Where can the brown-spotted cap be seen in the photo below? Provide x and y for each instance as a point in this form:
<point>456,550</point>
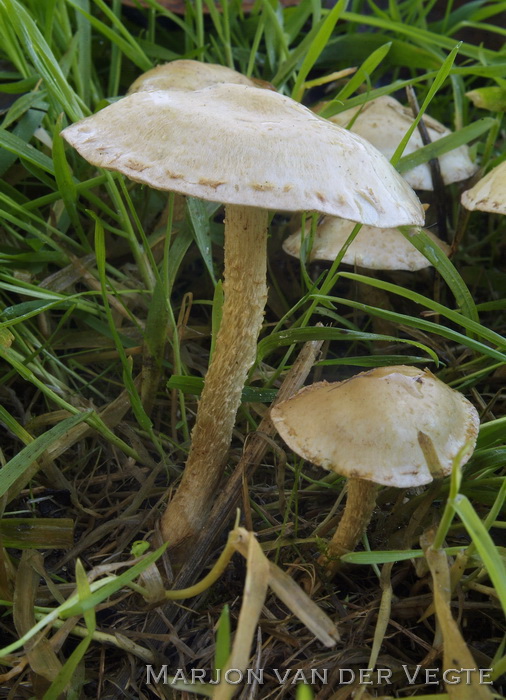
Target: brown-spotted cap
<point>373,248</point>
<point>384,121</point>
<point>489,193</point>
<point>248,146</point>
<point>185,74</point>
<point>398,426</point>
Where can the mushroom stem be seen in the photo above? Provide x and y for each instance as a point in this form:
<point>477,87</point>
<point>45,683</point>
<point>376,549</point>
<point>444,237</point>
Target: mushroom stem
<point>360,502</point>
<point>245,291</point>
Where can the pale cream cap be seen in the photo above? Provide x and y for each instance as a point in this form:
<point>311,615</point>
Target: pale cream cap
<point>384,122</point>
<point>372,426</point>
<point>373,248</point>
<point>489,193</point>
<point>248,146</point>
<point>185,74</point>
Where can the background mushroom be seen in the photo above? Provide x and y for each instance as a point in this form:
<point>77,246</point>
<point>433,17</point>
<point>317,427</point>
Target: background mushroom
<point>254,150</point>
<point>373,248</point>
<point>384,122</point>
<point>186,74</point>
<point>489,193</point>
<point>397,426</point>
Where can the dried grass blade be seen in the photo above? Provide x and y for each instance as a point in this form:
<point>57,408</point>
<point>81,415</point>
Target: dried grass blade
<point>255,591</point>
<point>302,606</point>
<point>41,657</point>
<point>456,655</point>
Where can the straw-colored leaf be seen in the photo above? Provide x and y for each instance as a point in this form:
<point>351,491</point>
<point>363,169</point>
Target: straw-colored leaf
<point>383,614</point>
<point>456,655</point>
<point>295,598</point>
<point>255,591</point>
<point>41,656</point>
<point>302,606</point>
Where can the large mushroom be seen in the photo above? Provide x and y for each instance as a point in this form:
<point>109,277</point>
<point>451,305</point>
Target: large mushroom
<point>396,426</point>
<point>489,193</point>
<point>253,150</point>
<point>384,121</point>
<point>373,248</point>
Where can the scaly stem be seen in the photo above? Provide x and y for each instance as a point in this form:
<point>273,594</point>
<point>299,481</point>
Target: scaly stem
<point>360,502</point>
<point>245,291</point>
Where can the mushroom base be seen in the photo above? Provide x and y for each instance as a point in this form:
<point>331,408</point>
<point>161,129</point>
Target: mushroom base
<point>245,292</point>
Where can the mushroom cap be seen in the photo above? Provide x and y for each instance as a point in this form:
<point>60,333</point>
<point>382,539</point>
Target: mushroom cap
<point>374,248</point>
<point>185,74</point>
<point>372,425</point>
<point>384,121</point>
<point>489,193</point>
<point>248,146</point>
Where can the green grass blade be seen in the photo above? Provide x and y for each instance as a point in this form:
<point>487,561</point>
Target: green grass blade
<point>16,145</point>
<point>125,43</point>
<point>385,557</point>
<point>440,78</point>
<point>83,74</point>
<point>100,590</point>
<point>302,335</point>
<point>22,461</point>
<point>65,181</point>
<point>484,545</point>
<point>194,385</point>
<point>290,64</point>
<point>492,432</point>
<point>447,143</point>
<point>446,269</point>
<point>223,643</point>
<point>37,533</point>
<point>24,131</point>
<point>106,588</point>
<point>470,325</point>
<point>364,72</point>
<point>137,407</point>
<point>415,322</point>
<point>66,673</point>
<point>199,218</point>
<point>316,47</point>
<point>44,60</point>
<point>422,36</point>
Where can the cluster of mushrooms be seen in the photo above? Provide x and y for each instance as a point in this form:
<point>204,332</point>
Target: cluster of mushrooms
<point>210,132</point>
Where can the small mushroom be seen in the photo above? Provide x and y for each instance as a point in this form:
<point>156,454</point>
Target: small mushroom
<point>373,248</point>
<point>384,122</point>
<point>253,150</point>
<point>397,426</point>
<point>489,193</point>
<point>185,74</point>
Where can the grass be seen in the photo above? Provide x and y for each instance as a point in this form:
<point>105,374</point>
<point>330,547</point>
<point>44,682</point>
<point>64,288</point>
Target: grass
<point>102,280</point>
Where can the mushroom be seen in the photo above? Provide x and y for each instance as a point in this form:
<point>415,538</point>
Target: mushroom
<point>384,122</point>
<point>373,248</point>
<point>253,150</point>
<point>185,74</point>
<point>397,426</point>
<point>489,193</point>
